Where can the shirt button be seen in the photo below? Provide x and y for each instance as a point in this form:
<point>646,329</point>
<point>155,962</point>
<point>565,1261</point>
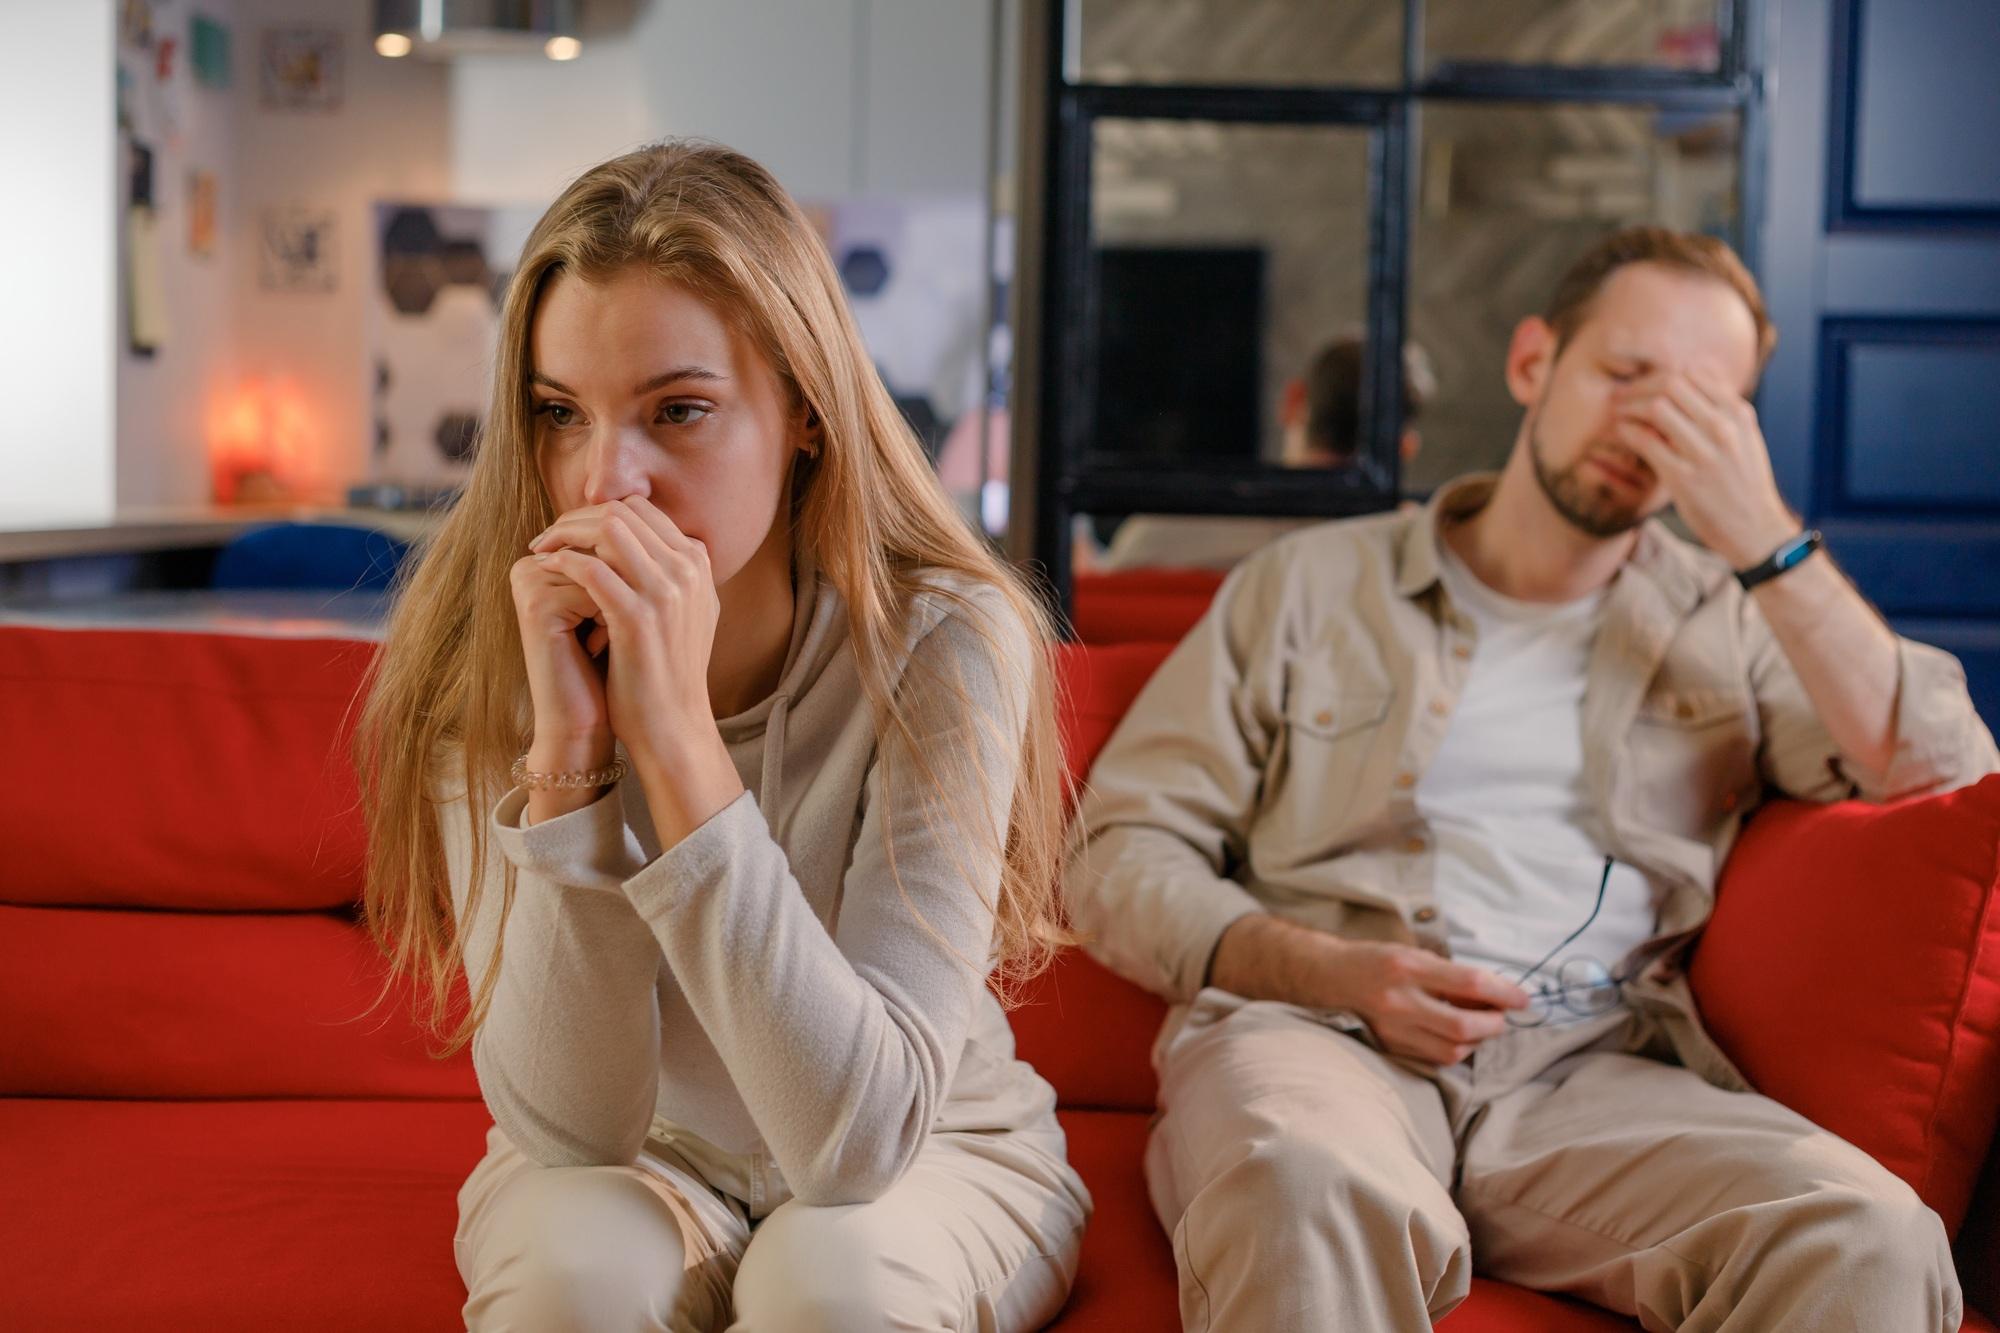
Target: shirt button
<point>1426,915</point>
<point>1414,845</point>
<point>1406,780</point>
<point>1439,708</point>
<point>1323,717</point>
<point>1683,710</point>
<point>1461,651</point>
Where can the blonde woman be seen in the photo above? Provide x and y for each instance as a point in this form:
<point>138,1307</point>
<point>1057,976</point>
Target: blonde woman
<point>719,755</point>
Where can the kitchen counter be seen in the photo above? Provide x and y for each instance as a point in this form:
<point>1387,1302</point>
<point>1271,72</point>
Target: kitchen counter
<point>194,526</point>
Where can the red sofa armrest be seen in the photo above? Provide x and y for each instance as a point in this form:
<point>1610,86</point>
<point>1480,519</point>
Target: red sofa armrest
<point>1852,971</point>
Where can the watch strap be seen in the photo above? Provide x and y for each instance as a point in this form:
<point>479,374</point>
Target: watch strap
<point>1785,557</point>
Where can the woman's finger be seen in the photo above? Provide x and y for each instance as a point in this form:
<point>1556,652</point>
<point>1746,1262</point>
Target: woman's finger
<point>612,536</point>
<point>537,586</point>
<point>615,598</point>
<point>668,531</point>
<point>632,515</point>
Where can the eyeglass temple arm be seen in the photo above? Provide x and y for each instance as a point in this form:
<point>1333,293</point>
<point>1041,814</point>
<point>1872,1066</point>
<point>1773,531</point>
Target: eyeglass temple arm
<point>1603,881</point>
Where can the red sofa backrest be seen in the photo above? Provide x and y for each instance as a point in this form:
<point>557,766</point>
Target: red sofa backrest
<point>1140,605</point>
<point>119,1002</point>
<point>1090,1033</point>
<point>207,774</point>
<point>210,775</point>
<point>195,771</point>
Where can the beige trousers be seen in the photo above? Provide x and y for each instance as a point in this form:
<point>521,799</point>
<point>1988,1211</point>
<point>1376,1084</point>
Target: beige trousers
<point>1310,1182</point>
<point>981,1234</point>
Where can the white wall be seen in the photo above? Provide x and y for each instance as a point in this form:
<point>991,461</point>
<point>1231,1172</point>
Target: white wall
<point>927,71</point>
<point>165,400</point>
<point>838,97</point>
<point>57,158</point>
<point>390,139</point>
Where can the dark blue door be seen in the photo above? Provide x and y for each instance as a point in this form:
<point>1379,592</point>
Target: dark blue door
<point>1881,257</point>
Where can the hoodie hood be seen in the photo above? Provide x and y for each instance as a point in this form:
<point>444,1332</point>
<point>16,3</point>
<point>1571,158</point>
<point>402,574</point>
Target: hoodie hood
<point>819,632</point>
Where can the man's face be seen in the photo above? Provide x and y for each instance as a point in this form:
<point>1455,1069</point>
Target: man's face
<point>1645,318</point>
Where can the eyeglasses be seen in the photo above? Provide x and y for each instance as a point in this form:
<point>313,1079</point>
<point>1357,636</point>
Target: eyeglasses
<point>1582,986</point>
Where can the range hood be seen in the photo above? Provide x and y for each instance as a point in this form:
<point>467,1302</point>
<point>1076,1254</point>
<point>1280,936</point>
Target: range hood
<point>442,29</point>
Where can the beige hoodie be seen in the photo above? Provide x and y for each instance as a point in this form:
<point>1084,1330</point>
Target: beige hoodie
<point>761,996</point>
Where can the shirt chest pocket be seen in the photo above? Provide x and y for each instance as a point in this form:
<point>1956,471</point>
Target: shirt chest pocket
<point>1332,741</point>
<point>1691,760</point>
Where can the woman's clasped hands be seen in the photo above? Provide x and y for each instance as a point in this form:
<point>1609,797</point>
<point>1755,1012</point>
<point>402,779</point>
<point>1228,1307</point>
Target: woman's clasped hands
<point>643,595</point>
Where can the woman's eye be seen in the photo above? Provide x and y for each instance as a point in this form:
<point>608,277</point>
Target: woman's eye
<point>682,414</point>
<point>1623,376</point>
<point>557,413</point>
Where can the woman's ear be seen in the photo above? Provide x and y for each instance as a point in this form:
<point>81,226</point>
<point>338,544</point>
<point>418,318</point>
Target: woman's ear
<point>812,436</point>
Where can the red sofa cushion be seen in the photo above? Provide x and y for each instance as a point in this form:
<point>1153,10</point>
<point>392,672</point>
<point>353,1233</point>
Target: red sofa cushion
<point>180,1004</point>
<point>1095,684</point>
<point>1090,1034</point>
<point>231,1216</point>
<point>1140,605</point>
<point>180,770</point>
<point>1852,971</point>
<point>307,1216</point>
<point>1126,1277</point>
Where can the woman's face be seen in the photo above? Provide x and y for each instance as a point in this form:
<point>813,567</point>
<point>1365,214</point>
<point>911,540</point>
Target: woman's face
<point>640,388</point>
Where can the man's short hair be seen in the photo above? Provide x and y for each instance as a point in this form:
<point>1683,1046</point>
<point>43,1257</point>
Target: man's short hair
<point>1687,252</point>
<point>1333,393</point>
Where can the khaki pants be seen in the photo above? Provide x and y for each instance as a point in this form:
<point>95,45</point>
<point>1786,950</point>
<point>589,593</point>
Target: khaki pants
<point>981,1234</point>
<point>1309,1182</point>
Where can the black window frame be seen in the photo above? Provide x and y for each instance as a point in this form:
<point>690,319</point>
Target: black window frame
<point>1068,480</point>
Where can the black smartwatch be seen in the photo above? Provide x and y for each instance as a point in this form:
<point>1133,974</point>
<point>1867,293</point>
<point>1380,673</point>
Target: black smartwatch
<point>1785,557</point>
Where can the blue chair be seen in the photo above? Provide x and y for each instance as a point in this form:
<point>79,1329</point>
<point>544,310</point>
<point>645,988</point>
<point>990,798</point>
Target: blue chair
<point>333,556</point>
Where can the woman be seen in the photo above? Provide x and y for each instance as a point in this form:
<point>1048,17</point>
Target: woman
<point>720,755</point>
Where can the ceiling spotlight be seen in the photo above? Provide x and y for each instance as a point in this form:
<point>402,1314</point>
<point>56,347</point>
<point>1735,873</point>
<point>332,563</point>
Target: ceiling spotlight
<point>450,29</point>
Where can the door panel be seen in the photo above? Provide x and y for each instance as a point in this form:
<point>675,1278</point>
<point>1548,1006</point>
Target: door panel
<point>1883,239</point>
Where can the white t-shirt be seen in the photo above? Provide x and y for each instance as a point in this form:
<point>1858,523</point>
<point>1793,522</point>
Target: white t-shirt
<point>1504,794</point>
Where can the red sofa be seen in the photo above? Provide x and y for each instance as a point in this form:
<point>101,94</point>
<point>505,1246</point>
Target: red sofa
<point>202,1126</point>
<point>1140,605</point>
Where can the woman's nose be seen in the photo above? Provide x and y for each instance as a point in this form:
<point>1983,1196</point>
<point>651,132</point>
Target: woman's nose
<point>616,467</point>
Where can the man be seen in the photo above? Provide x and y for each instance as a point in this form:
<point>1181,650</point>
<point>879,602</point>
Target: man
<point>1416,828</point>
<point>1321,416</point>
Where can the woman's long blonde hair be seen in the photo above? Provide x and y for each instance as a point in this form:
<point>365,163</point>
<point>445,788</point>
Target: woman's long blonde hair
<point>445,706</point>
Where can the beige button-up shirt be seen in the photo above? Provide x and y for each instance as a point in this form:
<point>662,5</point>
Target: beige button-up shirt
<point>1272,763</point>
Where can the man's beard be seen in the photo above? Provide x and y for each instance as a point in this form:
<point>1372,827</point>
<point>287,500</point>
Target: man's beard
<point>1581,503</point>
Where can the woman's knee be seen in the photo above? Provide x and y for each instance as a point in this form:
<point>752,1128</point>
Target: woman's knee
<point>573,1248</point>
<point>836,1270</point>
